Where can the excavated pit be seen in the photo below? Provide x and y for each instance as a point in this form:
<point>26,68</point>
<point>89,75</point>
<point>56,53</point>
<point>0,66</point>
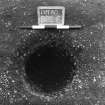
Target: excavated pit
<point>49,68</point>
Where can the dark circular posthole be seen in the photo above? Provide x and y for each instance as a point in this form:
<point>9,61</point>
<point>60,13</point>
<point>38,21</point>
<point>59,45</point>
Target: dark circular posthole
<point>49,68</point>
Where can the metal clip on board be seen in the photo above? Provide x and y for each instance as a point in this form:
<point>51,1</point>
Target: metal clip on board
<point>51,17</point>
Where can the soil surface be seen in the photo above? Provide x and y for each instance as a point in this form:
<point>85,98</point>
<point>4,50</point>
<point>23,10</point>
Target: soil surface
<point>86,45</point>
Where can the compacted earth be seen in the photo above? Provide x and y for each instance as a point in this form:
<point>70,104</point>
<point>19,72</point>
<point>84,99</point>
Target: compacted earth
<point>52,67</point>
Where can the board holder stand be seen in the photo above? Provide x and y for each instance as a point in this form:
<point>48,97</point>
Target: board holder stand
<point>39,27</point>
